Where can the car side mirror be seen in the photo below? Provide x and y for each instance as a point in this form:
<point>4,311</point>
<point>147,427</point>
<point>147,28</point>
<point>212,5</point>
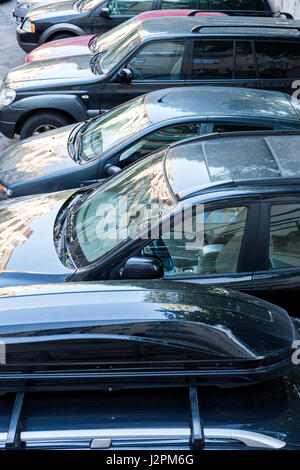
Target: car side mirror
<point>142,268</point>
<point>105,13</point>
<point>124,76</point>
<point>111,170</point>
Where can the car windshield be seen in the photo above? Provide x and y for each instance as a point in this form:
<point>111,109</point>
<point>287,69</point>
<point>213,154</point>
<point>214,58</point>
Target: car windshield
<point>119,51</point>
<point>112,128</point>
<point>86,5</point>
<point>103,42</point>
<point>118,210</point>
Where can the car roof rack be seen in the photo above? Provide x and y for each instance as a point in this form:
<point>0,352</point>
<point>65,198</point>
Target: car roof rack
<point>242,13</point>
<point>195,436</point>
<point>197,29</point>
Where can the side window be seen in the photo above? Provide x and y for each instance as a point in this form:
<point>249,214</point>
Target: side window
<point>212,59</point>
<point>220,127</point>
<point>207,243</point>
<point>158,61</point>
<point>156,140</point>
<point>185,4</point>
<point>129,7</point>
<point>244,60</point>
<point>284,243</point>
<point>278,59</point>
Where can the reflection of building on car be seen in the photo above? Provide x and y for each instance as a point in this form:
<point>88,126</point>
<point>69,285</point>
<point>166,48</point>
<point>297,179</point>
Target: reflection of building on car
<point>243,193</point>
<point>88,152</point>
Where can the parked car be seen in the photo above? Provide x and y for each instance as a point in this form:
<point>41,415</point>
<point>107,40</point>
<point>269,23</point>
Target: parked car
<point>156,55</point>
<point>90,348</point>
<point>93,44</point>
<point>243,231</point>
<point>136,334</point>
<point>69,18</point>
<point>88,152</point>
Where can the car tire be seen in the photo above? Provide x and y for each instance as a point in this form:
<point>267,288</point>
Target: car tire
<point>42,122</point>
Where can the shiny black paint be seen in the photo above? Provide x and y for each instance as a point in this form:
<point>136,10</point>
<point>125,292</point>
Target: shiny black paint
<point>103,91</point>
<point>131,332</point>
<point>91,22</point>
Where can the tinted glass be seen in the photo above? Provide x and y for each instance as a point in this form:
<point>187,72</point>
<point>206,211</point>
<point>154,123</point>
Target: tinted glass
<point>284,246</point>
<point>129,7</point>
<point>120,208</point>
<point>244,62</point>
<point>103,133</point>
<point>258,5</point>
<point>158,61</point>
<point>208,242</point>
<point>220,127</point>
<point>278,59</point>
<point>212,59</point>
<point>156,140</point>
<point>185,4</point>
<point>118,51</point>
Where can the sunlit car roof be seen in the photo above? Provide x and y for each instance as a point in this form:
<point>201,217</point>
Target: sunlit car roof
<point>209,25</point>
<point>208,161</point>
<point>219,101</point>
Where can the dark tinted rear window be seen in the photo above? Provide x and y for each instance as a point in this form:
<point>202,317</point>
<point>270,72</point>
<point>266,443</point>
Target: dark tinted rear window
<point>278,59</point>
<point>257,5</point>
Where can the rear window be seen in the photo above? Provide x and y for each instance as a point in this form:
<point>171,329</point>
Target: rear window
<point>278,59</point>
<point>257,5</point>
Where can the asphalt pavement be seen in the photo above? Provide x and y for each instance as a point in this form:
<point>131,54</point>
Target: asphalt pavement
<point>10,53</point>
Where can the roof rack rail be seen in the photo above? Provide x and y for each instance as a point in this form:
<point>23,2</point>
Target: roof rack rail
<point>196,29</point>
<point>243,13</point>
<point>195,436</point>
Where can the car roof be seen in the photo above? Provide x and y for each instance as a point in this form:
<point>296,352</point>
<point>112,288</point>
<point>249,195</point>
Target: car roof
<point>210,161</point>
<point>234,25</point>
<point>219,101</point>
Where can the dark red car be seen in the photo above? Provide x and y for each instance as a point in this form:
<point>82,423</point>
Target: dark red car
<point>93,44</point>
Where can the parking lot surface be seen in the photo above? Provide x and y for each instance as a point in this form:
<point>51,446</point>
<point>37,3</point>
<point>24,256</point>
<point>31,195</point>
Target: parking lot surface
<point>10,53</point>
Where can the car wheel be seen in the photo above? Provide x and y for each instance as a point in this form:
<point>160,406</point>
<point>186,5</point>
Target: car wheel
<point>43,122</point>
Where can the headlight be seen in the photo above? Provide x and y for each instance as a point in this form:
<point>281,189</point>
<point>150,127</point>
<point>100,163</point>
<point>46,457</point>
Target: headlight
<point>7,95</point>
<point>24,6</point>
<point>27,26</point>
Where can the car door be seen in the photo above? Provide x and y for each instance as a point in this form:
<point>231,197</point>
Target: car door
<point>239,124</point>
<point>213,246</point>
<point>215,61</point>
<point>120,11</point>
<point>277,263</point>
<point>278,64</point>
<point>156,65</point>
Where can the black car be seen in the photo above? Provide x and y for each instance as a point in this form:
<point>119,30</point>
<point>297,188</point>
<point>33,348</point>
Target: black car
<point>222,209</point>
<point>257,53</point>
<point>146,366</point>
<point>56,20</point>
<point>85,153</point>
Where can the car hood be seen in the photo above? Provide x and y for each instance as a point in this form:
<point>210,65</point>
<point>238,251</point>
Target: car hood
<point>134,327</point>
<point>61,48</point>
<point>53,10</point>
<point>52,70</point>
<point>36,157</point>
<point>27,251</point>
